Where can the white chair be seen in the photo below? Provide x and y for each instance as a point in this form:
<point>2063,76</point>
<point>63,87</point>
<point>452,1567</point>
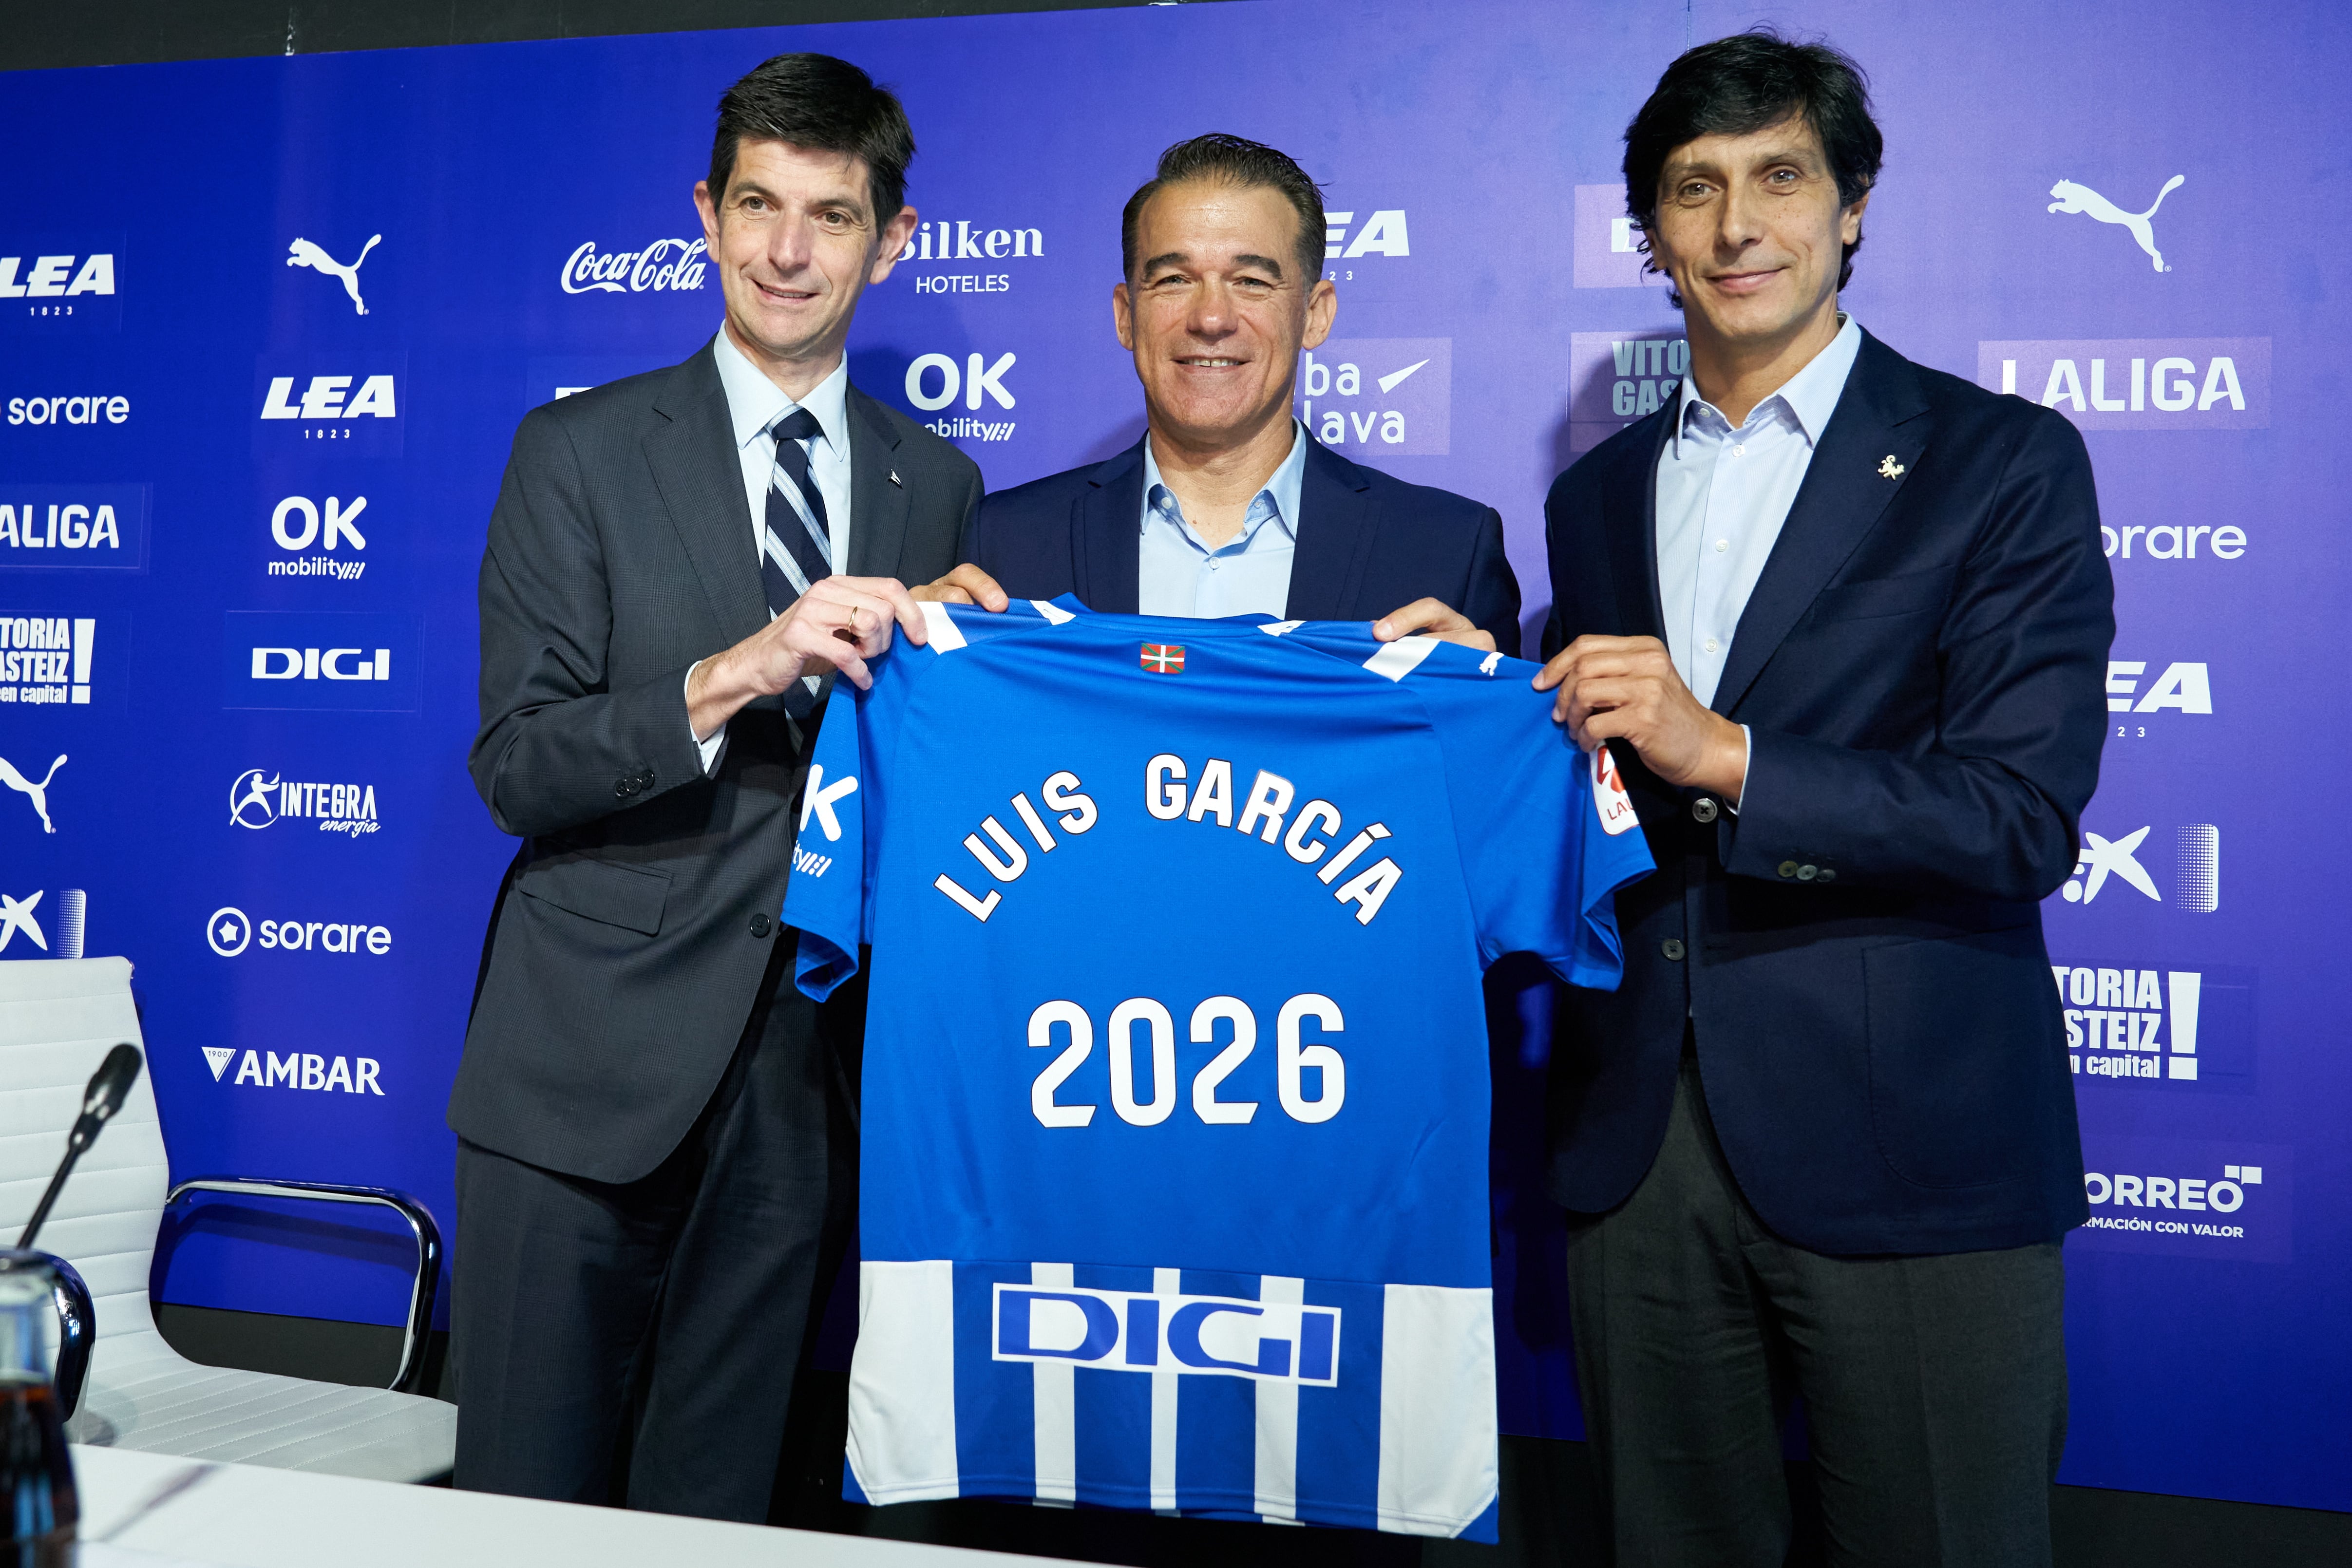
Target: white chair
<point>57,1019</point>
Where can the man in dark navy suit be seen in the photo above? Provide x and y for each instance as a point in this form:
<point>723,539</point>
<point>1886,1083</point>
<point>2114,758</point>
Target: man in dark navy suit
<point>1228,506</point>
<point>1843,621</point>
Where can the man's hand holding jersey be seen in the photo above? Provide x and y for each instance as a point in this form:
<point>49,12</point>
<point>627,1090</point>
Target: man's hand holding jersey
<point>1626,688</point>
<point>838,625</point>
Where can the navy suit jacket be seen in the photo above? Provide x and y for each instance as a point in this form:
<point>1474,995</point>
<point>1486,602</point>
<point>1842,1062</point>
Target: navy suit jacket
<point>1367,544</point>
<point>1858,952</point>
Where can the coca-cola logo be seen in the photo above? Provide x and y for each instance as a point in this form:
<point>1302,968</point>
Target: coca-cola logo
<point>672,264</point>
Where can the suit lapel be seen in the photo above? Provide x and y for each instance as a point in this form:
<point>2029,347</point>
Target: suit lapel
<point>700,476</point>
<point>877,492</point>
<point>1880,425</point>
<point>1629,511</point>
<point>1334,533</point>
<point>1107,553</point>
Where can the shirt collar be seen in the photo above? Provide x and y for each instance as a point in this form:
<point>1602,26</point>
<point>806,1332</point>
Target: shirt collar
<point>1282,487</point>
<point>1809,396</point>
<point>754,402</point>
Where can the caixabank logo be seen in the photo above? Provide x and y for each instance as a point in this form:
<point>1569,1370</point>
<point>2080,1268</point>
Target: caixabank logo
<point>2229,1201</point>
<point>336,662</point>
<point>74,527</point>
<point>2138,384</point>
<point>1616,378</point>
<point>44,923</point>
<point>50,660</point>
<point>330,403</point>
<point>60,284</point>
<point>1379,397</point>
<point>2181,868</point>
<point>2160,1025</point>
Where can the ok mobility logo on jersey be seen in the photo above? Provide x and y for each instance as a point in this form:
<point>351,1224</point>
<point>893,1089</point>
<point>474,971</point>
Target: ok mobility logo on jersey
<point>2224,1200</point>
<point>101,525</point>
<point>2167,1027</point>
<point>59,283</point>
<point>1375,397</point>
<point>339,401</point>
<point>2138,384</point>
<point>1130,1331</point>
<point>341,663</point>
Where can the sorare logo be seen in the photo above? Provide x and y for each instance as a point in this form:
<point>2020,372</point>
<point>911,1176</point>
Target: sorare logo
<point>74,527</point>
<point>336,662</point>
<point>2136,383</point>
<point>1379,397</point>
<point>54,285</point>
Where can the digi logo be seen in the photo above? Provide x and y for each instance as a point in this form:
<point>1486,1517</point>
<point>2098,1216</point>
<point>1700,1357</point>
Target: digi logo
<point>336,662</point>
<point>1263,1341</point>
<point>2138,384</point>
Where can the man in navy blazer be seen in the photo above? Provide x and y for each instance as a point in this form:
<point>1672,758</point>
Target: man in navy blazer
<point>1843,622</point>
<point>1229,506</point>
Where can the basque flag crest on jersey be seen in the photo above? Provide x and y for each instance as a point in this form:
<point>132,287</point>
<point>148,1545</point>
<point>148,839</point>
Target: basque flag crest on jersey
<point>1174,1183</point>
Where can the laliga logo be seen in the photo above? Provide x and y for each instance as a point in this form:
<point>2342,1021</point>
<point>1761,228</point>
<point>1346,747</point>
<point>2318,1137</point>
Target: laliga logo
<point>1614,806</point>
<point>2074,198</point>
<point>302,253</point>
<point>667,265</point>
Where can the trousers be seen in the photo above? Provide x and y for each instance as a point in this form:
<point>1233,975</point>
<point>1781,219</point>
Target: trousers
<point>639,1342</point>
<point>1933,1387</point>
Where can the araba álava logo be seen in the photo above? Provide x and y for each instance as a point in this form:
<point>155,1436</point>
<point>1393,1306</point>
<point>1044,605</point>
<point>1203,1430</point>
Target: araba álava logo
<point>2138,384</point>
<point>663,267</point>
<point>979,379</point>
<point>1374,397</point>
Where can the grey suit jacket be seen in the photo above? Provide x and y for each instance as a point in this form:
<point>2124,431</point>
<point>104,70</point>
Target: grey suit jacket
<point>636,925</point>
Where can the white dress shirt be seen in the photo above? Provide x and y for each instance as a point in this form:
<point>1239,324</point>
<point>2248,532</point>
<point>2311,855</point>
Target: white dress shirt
<point>1180,574</point>
<point>1723,496</point>
<point>754,403</point>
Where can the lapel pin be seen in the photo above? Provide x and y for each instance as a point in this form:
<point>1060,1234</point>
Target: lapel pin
<point>895,480</point>
<point>1888,467</point>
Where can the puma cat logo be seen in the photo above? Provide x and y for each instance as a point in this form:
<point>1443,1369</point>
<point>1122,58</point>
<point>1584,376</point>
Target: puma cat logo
<point>2074,198</point>
<point>305,254</point>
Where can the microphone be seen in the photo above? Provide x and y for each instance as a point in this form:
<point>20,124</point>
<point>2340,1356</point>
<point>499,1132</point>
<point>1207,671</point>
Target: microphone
<point>100,1102</point>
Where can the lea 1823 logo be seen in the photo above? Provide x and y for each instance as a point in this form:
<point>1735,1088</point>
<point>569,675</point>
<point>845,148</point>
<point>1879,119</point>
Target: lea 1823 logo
<point>330,403</point>
<point>60,284</point>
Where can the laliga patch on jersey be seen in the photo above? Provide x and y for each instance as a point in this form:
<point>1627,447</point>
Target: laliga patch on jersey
<point>1164,658</point>
<point>1609,797</point>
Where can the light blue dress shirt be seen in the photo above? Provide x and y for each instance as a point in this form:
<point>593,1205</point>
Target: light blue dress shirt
<point>1722,494</point>
<point>1180,574</point>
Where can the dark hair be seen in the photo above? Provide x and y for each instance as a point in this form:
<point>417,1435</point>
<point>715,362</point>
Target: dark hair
<point>824,104</point>
<point>1233,161</point>
<point>1744,83</point>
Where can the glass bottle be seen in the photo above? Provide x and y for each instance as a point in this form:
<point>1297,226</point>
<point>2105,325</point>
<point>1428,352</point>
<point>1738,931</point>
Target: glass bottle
<point>39,1509</point>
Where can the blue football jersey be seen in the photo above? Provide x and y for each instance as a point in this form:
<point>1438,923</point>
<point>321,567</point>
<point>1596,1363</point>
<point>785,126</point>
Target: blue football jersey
<point>1174,1127</point>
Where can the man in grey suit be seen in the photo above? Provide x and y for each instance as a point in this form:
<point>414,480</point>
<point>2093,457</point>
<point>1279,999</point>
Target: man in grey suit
<point>655,1161</point>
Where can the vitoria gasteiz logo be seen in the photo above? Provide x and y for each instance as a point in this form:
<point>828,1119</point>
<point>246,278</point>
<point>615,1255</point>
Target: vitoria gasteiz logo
<point>345,663</point>
<point>2167,1026</point>
<point>1616,378</point>
<point>2138,384</point>
<point>47,660</point>
<point>59,283</point>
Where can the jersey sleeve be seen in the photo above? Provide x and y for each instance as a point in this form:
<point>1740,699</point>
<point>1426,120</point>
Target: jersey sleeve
<point>1546,835</point>
<point>843,812</point>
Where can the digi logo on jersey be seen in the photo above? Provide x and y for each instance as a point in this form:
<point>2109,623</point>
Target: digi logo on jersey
<point>343,663</point>
<point>338,402</point>
<point>258,799</point>
<point>2103,863</point>
<point>2138,384</point>
<point>1616,378</point>
<point>2205,1199</point>
<point>1608,244</point>
<point>1130,1331</point>
<point>22,915</point>
<point>2150,1026</point>
<point>59,283</point>
<point>296,1069</point>
<point>1379,396</point>
<point>45,660</point>
<point>663,267</point>
<point>84,526</point>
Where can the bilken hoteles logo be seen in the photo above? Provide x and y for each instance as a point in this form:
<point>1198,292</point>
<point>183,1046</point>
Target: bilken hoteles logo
<point>20,917</point>
<point>2103,862</point>
<point>297,1070</point>
<point>663,267</point>
<point>38,793</point>
<point>258,801</point>
<point>2078,198</point>
<point>303,253</point>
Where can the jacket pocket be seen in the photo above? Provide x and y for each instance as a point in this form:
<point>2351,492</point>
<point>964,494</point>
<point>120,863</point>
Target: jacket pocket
<point>1962,1032</point>
<point>631,897</point>
<point>1913,593</point>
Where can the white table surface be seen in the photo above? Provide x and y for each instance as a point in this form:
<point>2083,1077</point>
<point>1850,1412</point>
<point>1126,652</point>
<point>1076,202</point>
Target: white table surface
<point>140,1510</point>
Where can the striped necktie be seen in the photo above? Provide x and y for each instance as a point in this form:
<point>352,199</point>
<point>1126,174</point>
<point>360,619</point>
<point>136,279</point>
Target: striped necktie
<point>796,544</point>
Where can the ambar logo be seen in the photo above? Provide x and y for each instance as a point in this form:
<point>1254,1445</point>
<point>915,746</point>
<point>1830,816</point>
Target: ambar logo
<point>296,1069</point>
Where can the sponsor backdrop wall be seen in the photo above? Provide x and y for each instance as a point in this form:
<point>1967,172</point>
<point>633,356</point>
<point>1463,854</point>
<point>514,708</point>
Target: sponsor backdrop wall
<point>267,325</point>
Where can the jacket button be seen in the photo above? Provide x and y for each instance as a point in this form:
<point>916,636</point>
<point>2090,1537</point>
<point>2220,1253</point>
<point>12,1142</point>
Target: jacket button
<point>1702,809</point>
<point>761,926</point>
<point>625,787</point>
<point>1787,868</point>
<point>1827,875</point>
<point>1672,949</point>
<point>1807,872</point>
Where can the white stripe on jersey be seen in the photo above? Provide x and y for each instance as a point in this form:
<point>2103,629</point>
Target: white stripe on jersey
<point>902,1435</point>
<point>1165,1282</point>
<point>1053,613</point>
<point>1057,1406</point>
<point>946,635</point>
<point>1437,1407</point>
<point>1277,1423</point>
<point>1399,659</point>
